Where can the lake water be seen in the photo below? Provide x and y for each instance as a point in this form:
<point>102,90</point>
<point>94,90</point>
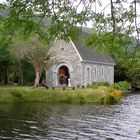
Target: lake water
<point>39,121</point>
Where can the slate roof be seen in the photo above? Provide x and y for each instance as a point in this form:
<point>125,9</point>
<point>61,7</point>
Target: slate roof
<point>88,53</point>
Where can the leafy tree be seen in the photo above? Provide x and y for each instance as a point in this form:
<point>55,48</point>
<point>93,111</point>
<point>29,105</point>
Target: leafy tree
<point>60,17</point>
<point>121,20</point>
<point>35,50</point>
<point>133,68</point>
<point>13,67</point>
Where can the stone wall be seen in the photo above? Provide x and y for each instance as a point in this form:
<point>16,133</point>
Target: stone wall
<point>97,73</point>
<point>65,55</point>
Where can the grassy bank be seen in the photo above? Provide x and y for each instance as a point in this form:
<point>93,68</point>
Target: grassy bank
<point>101,95</point>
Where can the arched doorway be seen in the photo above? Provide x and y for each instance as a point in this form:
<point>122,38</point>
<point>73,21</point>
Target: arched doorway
<point>63,75</point>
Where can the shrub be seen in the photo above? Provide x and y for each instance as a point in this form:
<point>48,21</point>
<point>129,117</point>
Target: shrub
<point>110,99</point>
<point>122,85</point>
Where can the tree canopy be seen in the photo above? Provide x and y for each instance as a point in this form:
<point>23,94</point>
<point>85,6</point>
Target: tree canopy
<point>61,17</point>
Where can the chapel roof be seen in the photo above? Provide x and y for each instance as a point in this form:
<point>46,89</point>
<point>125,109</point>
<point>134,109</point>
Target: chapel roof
<point>89,54</point>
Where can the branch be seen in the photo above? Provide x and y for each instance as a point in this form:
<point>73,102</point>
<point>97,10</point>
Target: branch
<point>113,20</point>
<point>137,31</point>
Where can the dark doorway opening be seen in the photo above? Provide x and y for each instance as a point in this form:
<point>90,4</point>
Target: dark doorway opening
<point>63,75</point>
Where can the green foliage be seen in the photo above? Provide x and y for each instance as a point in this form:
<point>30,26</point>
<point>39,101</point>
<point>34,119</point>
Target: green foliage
<point>128,69</point>
<point>13,69</point>
<point>5,57</point>
<point>122,85</point>
<point>102,42</point>
<point>59,17</point>
<point>95,85</point>
<point>120,72</point>
<point>133,68</point>
<point>28,73</point>
<point>109,100</point>
<point>34,50</point>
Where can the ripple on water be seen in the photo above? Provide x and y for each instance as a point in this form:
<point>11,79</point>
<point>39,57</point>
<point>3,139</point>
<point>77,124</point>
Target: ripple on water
<point>71,122</point>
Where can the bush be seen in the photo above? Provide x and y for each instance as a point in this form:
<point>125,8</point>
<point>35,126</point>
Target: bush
<point>113,96</point>
<point>95,85</point>
<point>122,85</point>
<point>109,100</point>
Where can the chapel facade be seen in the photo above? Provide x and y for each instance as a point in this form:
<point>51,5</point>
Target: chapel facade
<point>76,65</point>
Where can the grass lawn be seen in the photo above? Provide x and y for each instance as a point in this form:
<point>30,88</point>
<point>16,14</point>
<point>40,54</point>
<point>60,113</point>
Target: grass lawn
<point>101,95</point>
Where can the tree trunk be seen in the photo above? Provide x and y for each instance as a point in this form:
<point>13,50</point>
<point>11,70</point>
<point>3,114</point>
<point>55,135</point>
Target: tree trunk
<point>46,74</point>
<point>4,75</point>
<point>21,73</point>
<point>37,78</point>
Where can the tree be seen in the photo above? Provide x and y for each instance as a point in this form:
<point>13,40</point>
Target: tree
<point>60,17</point>
<point>123,19</point>
<point>132,66</point>
<point>35,50</point>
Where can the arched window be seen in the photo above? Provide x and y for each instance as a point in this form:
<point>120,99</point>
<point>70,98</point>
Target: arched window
<point>95,72</point>
<point>88,75</point>
<point>102,71</point>
<point>108,71</point>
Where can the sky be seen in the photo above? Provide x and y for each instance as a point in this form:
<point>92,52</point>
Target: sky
<point>2,1</point>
